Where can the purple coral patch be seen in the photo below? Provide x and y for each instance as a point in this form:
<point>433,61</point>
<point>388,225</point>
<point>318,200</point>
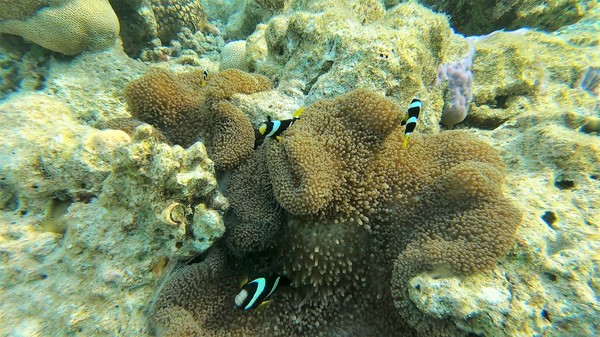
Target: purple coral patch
<point>460,84</point>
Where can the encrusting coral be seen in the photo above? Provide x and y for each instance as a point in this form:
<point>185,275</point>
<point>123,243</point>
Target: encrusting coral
<point>150,24</point>
<point>361,216</point>
<point>172,15</point>
<point>169,188</point>
<point>184,108</point>
<point>68,27</point>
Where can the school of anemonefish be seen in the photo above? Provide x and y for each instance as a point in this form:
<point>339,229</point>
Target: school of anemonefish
<point>259,290</point>
<point>274,128</point>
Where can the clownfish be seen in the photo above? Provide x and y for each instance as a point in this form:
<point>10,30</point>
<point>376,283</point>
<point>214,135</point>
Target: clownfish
<point>410,119</point>
<point>204,77</point>
<point>274,128</point>
<point>259,291</point>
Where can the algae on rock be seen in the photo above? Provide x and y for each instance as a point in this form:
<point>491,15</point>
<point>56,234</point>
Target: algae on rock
<point>342,48</point>
<point>168,189</point>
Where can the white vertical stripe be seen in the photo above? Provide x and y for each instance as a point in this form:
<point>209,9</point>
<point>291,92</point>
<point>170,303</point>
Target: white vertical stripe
<point>260,287</point>
<point>276,126</point>
<point>416,104</point>
<point>411,120</point>
<point>274,287</point>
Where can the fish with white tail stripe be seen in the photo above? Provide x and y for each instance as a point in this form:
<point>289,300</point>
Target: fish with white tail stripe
<point>259,291</point>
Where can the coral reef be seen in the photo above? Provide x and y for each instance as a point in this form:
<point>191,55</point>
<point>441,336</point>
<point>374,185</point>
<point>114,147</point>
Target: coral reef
<point>68,27</point>
<point>184,108</point>
<point>342,241</point>
<point>73,81</point>
<point>138,25</point>
<point>506,86</point>
<point>20,66</point>
<point>91,220</point>
<point>20,10</point>
<point>589,80</point>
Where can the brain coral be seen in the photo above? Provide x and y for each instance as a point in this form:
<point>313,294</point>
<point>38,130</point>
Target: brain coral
<point>68,26</point>
<point>233,55</point>
<point>368,216</point>
<point>183,109</point>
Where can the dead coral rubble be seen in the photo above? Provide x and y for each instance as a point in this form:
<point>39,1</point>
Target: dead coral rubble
<point>183,109</point>
<point>361,216</point>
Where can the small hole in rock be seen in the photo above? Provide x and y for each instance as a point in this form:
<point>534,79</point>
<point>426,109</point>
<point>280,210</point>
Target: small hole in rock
<point>24,212</point>
<point>549,218</point>
<point>418,287</point>
<point>43,276</point>
<point>545,314</point>
<point>550,277</point>
<point>501,101</point>
<point>564,184</point>
<point>178,244</point>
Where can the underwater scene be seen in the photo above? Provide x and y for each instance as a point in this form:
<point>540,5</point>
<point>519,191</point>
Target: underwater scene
<point>300,168</point>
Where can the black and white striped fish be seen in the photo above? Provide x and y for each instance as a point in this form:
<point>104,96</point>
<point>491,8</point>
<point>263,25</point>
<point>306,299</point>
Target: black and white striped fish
<point>204,77</point>
<point>259,290</point>
<point>410,119</point>
<point>274,128</point>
